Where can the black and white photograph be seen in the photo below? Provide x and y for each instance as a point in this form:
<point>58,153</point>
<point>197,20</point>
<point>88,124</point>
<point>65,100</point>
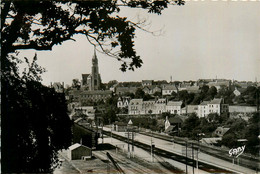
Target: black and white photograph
<point>130,86</point>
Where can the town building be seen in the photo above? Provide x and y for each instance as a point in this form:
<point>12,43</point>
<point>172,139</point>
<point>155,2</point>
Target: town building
<point>220,131</point>
<point>147,82</point>
<point>152,89</point>
<point>119,126</point>
<point>219,83</point>
<point>140,107</point>
<point>203,109</point>
<point>135,106</point>
<point>160,105</point>
<point>148,107</point>
<point>174,107</point>
<point>213,106</point>
<point>168,89</point>
<point>173,124</point>
<point>124,90</point>
<point>84,96</point>
<point>242,109</point>
<point>78,151</point>
<point>123,102</point>
<point>184,85</point>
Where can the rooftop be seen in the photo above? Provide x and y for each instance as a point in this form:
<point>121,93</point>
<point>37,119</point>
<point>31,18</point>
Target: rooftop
<point>75,146</point>
<point>174,103</point>
<point>215,101</point>
<point>136,100</point>
<point>205,103</point>
<point>170,87</point>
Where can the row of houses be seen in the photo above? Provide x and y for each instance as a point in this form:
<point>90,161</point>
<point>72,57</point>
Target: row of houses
<point>89,96</point>
<point>168,89</point>
<point>159,106</point>
<point>162,89</point>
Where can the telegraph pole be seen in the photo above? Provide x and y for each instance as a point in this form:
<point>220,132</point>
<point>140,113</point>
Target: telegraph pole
<point>128,143</point>
<point>192,158</point>
<point>133,143</point>
<point>186,157</point>
<point>111,128</point>
<point>257,99</point>
<point>102,133</point>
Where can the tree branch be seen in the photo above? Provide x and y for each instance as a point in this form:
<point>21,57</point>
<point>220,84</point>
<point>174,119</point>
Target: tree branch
<point>5,12</point>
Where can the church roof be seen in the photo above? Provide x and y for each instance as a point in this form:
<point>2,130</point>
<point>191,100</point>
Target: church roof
<point>85,75</point>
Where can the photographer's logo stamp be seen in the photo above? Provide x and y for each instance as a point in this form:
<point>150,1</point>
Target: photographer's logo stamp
<point>236,151</point>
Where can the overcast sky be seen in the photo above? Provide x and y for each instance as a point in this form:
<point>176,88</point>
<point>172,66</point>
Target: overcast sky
<point>199,40</point>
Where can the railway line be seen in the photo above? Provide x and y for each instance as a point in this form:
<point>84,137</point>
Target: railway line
<point>171,155</point>
<point>243,161</point>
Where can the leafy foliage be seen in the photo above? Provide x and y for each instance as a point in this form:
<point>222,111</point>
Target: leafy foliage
<point>75,83</point>
<point>190,125</point>
<point>139,93</point>
<point>35,124</point>
<point>240,129</point>
<point>40,25</point>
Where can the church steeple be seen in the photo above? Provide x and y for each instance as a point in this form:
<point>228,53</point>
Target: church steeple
<point>94,58</point>
<point>95,76</point>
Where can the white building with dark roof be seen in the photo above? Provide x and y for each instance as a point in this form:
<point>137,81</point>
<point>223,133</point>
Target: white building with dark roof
<point>168,89</point>
<point>140,107</point>
<point>203,109</point>
<point>135,106</point>
<point>219,83</point>
<point>78,151</point>
<point>160,105</point>
<point>174,107</point>
<point>148,107</point>
<point>214,106</point>
<point>123,102</point>
<point>147,82</point>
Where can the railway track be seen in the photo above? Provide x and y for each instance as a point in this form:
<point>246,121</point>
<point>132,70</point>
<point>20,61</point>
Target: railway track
<point>244,160</point>
<point>171,155</point>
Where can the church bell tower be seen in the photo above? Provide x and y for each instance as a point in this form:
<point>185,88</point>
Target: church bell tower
<point>95,76</point>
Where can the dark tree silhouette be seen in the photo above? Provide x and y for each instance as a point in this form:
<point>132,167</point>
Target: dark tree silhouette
<point>34,121</point>
<point>40,25</point>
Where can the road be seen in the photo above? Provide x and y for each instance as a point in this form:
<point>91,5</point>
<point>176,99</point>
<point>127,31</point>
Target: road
<point>176,148</point>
